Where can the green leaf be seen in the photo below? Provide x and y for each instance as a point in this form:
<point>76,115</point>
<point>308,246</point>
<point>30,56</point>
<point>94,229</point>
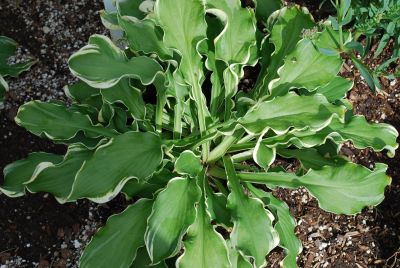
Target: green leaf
<point>18,173</point>
<point>150,40</point>
<point>290,111</point>
<point>204,247</point>
<point>253,233</point>
<point>287,31</point>
<point>336,89</point>
<point>216,204</point>
<point>285,226</point>
<point>345,189</point>
<point>173,212</point>
<point>101,64</point>
<point>217,93</point>
<point>8,47</point>
<point>131,8</point>
<point>264,8</point>
<point>115,244</point>
<point>57,122</point>
<point>82,93</point>
<point>365,73</point>
<point>130,96</point>
<point>57,178</point>
<point>382,44</point>
<point>106,172</point>
<point>143,260</point>
<point>306,68</point>
<point>188,164</point>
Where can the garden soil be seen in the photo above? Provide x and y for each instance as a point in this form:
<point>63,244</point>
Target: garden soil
<point>36,231</point>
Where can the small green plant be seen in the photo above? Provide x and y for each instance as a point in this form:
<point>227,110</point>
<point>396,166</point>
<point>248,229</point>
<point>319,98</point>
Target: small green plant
<point>374,22</point>
<point>7,50</point>
<point>201,154</point>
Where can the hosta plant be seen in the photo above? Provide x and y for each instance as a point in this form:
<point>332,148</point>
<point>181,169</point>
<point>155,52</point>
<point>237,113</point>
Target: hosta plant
<point>166,121</point>
<point>8,48</point>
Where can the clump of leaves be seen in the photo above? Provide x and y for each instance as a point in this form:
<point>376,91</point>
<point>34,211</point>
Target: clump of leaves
<point>201,154</point>
<point>7,50</point>
<point>372,22</point>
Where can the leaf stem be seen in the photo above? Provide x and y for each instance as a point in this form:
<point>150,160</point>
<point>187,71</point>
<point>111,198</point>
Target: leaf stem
<point>289,180</point>
<point>221,149</point>
<point>161,101</point>
<point>201,114</point>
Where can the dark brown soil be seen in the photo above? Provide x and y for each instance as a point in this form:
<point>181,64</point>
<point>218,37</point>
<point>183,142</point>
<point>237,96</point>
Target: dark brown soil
<point>36,231</point>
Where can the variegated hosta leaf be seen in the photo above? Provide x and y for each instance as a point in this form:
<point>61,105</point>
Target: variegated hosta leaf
<point>144,36</point>
<point>253,233</point>
<point>18,173</point>
<point>306,68</point>
<point>173,212</point>
<point>204,247</point>
<point>102,64</point>
<point>58,178</point>
<point>132,8</point>
<point>57,122</point>
<point>188,164</point>
<point>109,20</point>
<point>130,96</point>
<point>287,31</point>
<point>115,244</point>
<point>106,172</point>
<point>233,49</point>
<point>285,225</point>
<point>290,111</point>
<point>150,186</point>
<point>229,46</point>
<point>184,28</point>
<point>336,89</point>
<point>8,48</point>
<point>345,189</point>
<point>378,136</point>
<point>263,155</point>
<point>236,258</point>
<point>311,158</point>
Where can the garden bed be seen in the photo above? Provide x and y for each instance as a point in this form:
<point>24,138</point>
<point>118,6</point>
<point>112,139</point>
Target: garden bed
<point>37,231</point>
